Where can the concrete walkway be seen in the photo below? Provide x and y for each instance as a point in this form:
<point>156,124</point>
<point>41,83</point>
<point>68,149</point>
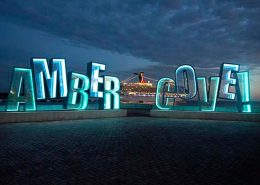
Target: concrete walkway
<point>133,150</point>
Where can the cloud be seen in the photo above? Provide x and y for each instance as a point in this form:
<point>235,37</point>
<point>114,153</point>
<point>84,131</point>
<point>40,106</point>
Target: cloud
<point>203,33</point>
<point>169,32</point>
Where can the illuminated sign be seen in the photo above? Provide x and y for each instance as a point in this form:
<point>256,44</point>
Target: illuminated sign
<point>230,85</point>
<point>48,80</point>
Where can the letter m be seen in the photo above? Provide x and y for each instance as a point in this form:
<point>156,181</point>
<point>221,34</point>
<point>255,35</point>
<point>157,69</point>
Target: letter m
<point>44,79</point>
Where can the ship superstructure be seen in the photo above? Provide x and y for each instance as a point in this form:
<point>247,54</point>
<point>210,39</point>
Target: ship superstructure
<point>140,88</point>
<point>141,91</point>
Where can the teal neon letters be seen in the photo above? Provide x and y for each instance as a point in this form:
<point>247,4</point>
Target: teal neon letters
<point>208,98</point>
<point>109,92</point>
<point>21,90</point>
<point>77,96</point>
<point>244,92</point>
<point>164,86</point>
<point>52,79</point>
<point>186,81</point>
<point>187,85</point>
<point>226,80</point>
<point>93,72</point>
<point>42,75</point>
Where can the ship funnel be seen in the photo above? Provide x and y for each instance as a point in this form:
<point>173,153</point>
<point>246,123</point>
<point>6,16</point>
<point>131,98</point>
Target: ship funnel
<point>141,77</point>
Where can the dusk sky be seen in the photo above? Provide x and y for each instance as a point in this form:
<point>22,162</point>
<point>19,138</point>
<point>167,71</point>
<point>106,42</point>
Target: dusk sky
<point>131,36</point>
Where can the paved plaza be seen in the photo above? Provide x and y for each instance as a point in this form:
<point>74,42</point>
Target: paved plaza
<point>128,151</point>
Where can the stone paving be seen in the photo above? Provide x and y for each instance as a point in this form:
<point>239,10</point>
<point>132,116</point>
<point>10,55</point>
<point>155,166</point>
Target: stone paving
<point>133,150</point>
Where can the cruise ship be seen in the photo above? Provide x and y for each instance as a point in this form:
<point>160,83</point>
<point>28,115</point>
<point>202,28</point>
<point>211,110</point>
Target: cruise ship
<point>141,91</point>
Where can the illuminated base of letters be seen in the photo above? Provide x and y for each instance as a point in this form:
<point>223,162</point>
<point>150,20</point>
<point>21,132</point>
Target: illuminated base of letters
<point>43,116</point>
<point>51,115</point>
<point>223,116</point>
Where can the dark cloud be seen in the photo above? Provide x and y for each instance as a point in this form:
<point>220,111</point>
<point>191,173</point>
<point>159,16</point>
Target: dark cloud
<point>171,32</point>
<point>203,33</point>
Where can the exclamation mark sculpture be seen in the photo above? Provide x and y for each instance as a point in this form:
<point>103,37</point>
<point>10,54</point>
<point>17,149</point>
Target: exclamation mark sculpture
<point>243,92</point>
